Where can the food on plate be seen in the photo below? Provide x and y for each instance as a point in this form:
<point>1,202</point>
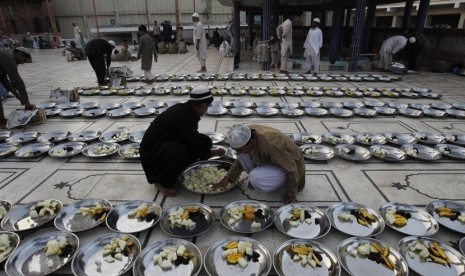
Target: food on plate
<point>3,211</point>
<point>6,246</point>
<point>103,149</point>
<point>366,139</point>
<point>117,248</point>
<point>97,212</point>
<point>380,151</point>
<point>247,212</point>
<point>29,153</point>
<point>119,136</point>
<point>451,138</point>
<point>239,252</point>
<point>451,214</point>
<point>307,139</point>
<point>429,251</point>
<point>397,217</point>
<point>185,217</point>
<point>299,216</point>
<point>346,150</point>
<point>42,208</point>
<point>444,150</point>
<point>411,150</point>
<point>63,151</point>
<point>131,152</point>
<point>363,217</point>
<point>392,138</point>
<point>423,137</point>
<point>143,212</point>
<point>373,251</point>
<point>335,139</point>
<point>311,150</point>
<point>59,247</point>
<point>172,255</point>
<point>306,255</point>
<point>203,179</point>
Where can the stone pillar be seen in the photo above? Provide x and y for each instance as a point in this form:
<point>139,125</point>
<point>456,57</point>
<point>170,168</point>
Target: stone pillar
<point>266,26</point>
<point>250,23</point>
<point>357,34</point>
<point>369,20</point>
<point>406,21</point>
<point>461,24</point>
<point>348,16</point>
<point>422,15</point>
<point>275,20</point>
<point>236,32</point>
<point>335,33</point>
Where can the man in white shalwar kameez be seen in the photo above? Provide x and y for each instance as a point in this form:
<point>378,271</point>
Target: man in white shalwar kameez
<point>78,36</point>
<point>200,42</point>
<point>312,47</point>
<point>286,43</point>
<point>389,47</point>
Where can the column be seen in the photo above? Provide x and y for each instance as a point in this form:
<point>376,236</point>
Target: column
<point>266,20</point>
<point>250,31</point>
<point>406,21</point>
<point>461,24</point>
<point>335,33</point>
<point>369,20</point>
<point>237,32</point>
<point>357,34</point>
<point>422,15</point>
<point>275,10</point>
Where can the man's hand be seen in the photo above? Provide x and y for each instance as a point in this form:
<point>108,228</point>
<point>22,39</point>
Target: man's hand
<point>155,59</point>
<point>218,152</point>
<point>288,199</point>
<point>222,184</point>
<point>107,72</point>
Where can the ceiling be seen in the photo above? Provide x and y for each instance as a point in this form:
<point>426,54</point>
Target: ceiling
<point>299,4</point>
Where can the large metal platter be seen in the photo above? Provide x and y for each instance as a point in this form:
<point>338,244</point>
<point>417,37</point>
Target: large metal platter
<point>142,91</point>
<point>243,104</point>
<point>241,111</point>
<point>107,92</point>
<point>24,137</point>
<point>301,138</point>
<point>352,152</point>
<point>398,105</point>
<point>288,105</point>
<point>370,139</point>
<point>161,91</point>
<point>203,222</point>
<point>276,92</point>
<point>144,111</point>
<point>457,138</point>
<point>217,110</point>
<point>331,105</point>
<point>429,138</point>
<point>335,93</point>
<point>315,93</point>
<point>441,105</point>
<point>155,104</point>
<point>88,105</point>
<point>307,104</point>
<point>341,112</point>
<point>451,223</point>
<point>419,224</point>
<point>90,92</point>
<point>267,111</point>
<point>130,151</point>
<point>374,103</point>
<point>119,112</point>
<point>137,136</point>
<point>434,113</point>
<point>354,93</point>
<point>119,221</point>
<point>144,264</point>
<point>419,106</point>
<point>94,113</point>
<point>354,228</point>
<point>431,95</point>
<point>109,106</point>
<point>46,105</point>
<point>409,112</point>
<point>85,136</point>
<point>90,261</point>
<point>71,113</point>
<point>423,267</point>
<point>421,152</point>
<point>353,104</point>
<point>66,106</point>
<point>456,113</point>
<point>7,205</point>
<point>70,219</point>
<point>316,111</point>
<point>14,242</point>
<point>398,138</point>
<point>245,225</point>
<point>67,149</point>
<point>391,94</point>
<point>388,153</point>
<point>284,265</point>
<point>383,110</point>
<point>18,219</point>
<point>215,136</point>
<point>6,149</point>
<point>460,106</point>
<point>317,152</point>
<point>222,103</point>
<point>256,92</point>
<point>319,227</point>
<point>335,138</point>
<point>216,265</point>
<point>451,151</point>
<point>411,95</point>
<point>180,92</point>
<point>115,136</point>
<point>52,112</point>
<point>33,150</point>
<point>93,150</point>
<point>53,137</point>
<point>219,91</point>
<point>364,266</point>
<point>292,112</point>
<point>30,259</point>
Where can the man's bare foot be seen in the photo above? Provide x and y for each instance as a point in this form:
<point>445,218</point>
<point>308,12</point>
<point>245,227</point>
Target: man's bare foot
<point>167,192</point>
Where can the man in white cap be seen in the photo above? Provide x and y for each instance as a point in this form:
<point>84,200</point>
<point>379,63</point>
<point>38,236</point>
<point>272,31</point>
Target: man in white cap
<point>98,51</point>
<point>78,38</point>
<point>172,141</point>
<point>269,156</point>
<point>145,51</point>
<point>286,43</point>
<point>200,42</point>
<point>312,46</point>
<point>390,47</point>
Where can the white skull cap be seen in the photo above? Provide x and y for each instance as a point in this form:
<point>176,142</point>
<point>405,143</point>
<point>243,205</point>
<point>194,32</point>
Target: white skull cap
<point>195,15</point>
<point>238,135</point>
<point>112,43</point>
<point>412,40</point>
<point>317,20</point>
<point>199,93</point>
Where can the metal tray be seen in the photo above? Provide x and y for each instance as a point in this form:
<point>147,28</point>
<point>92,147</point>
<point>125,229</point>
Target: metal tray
<point>242,104</point>
<point>90,92</point>
<point>203,223</point>
<point>137,136</point>
<point>391,94</point>
<point>370,139</point>
<point>265,104</point>
<point>215,136</point>
<point>457,138</point>
<point>331,105</point>
<point>388,153</point>
<point>118,220</point>
<point>67,149</point>
<point>267,111</point>
<point>85,136</point>
<point>89,260</point>
<point>24,137</point>
<point>353,104</point>
<point>451,151</point>
<point>460,106</point>
<point>107,92</point>
<point>453,224</point>
<point>144,111</point>
<point>335,138</point>
<point>383,110</point>
<point>414,113</point>
<point>335,93</point>
<point>398,138</point>
<point>241,111</point>
<point>310,104</point>
<point>222,103</point>
<point>65,106</point>
<point>315,93</point>
<point>92,150</point>
<point>398,105</point>
<point>109,106</point>
<point>374,103</point>
<point>94,113</point>
<point>456,113</point>
<point>71,113</point>
<point>354,228</point>
<point>6,149</point>
<point>434,113</point>
<point>115,136</point>
<point>341,112</point>
<point>216,265</point>
<point>119,112</point>
<point>46,105</point>
<point>161,91</point>
<point>14,242</point>
<point>419,106</point>
<point>319,227</point>
<point>288,105</point>
<point>245,225</point>
<point>441,105</point>
<point>29,258</point>
<point>155,104</point>
<point>52,112</point>
<point>292,112</point>
<point>130,151</point>
<point>217,110</point>
<point>316,111</point>
<point>142,92</point>
<point>70,219</point>
<point>419,224</point>
<point>7,205</point>
<point>421,152</point>
<point>352,152</point>
<point>18,219</point>
<point>256,92</point>
<point>429,138</point>
<point>33,150</point>
<point>317,152</point>
<point>301,138</point>
<point>53,137</point>
<point>88,105</point>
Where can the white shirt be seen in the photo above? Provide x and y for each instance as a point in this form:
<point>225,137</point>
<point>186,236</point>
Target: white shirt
<point>313,42</point>
<point>286,42</point>
<point>393,44</point>
<point>199,33</point>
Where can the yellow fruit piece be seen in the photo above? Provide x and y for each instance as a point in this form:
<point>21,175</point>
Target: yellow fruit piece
<point>443,209</point>
<point>388,262</point>
<point>249,209</point>
<point>193,209</point>
<point>366,214</point>
<point>301,249</point>
<point>231,245</point>
<point>400,221</point>
<point>250,216</point>
<point>363,222</point>
<point>143,213</point>
<point>185,214</point>
<point>438,260</point>
<point>102,218</point>
<point>234,258</point>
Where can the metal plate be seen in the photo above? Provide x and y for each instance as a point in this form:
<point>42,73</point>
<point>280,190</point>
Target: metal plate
<point>115,136</point>
<point>119,112</point>
<point>130,151</point>
<point>245,225</point>
<point>451,151</point>
<point>33,150</point>
<point>219,91</point>
<point>431,112</point>
<point>391,94</point>
<point>85,136</point>
<point>93,150</point>
<point>398,105</point>
<point>284,265</point>
<point>256,92</point>
<point>7,205</point>
<point>457,138</point>
<point>46,105</point>
<point>119,221</point>
<point>361,265</point>
<point>14,242</point>
<point>242,104</point>
<point>411,95</point>
<point>222,103</point>
<point>161,91</point>
<point>18,219</point>
<point>301,138</point>
<point>203,223</point>
<point>107,92</point>
<point>144,111</point>
<point>306,104</point>
<point>352,104</point>
<point>453,224</point>
<point>354,93</point>
<point>370,139</point>
<point>65,106</point>
<point>423,267</point>
<point>382,110</point>
<point>89,260</point>
<point>373,94</point>
<point>292,112</point>
<point>71,113</point>
<point>295,92</point>
<point>317,152</point>
<point>374,103</point>
<point>341,112</point>
<point>6,149</point>
<point>24,137</point>
<point>315,93</point>
<point>29,258</point>
<point>335,138</point>
<point>267,111</point>
<point>231,153</point>
<point>421,152</point>
<point>460,106</point>
<point>429,138</point>
<point>456,113</point>
<point>180,92</point>
<point>398,138</point>
<point>144,263</point>
<point>316,111</point>
<point>109,106</point>
<point>154,104</point>
<point>215,136</point>
<point>53,137</point>
<point>216,110</point>
<point>52,112</point>
<point>67,149</point>
<point>90,92</point>
<point>409,112</point>
<point>335,93</point>
<point>70,219</point>
<point>387,153</point>
<point>241,111</point>
<point>419,224</point>
<point>354,228</point>
<point>137,136</point>
<point>352,152</point>
<point>88,105</point>
<point>331,105</point>
<point>319,227</point>
<point>216,265</point>
<point>94,113</point>
<point>288,105</point>
<point>441,105</point>
<point>419,106</point>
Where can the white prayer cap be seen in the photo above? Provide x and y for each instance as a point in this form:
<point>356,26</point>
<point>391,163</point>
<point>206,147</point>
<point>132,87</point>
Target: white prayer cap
<point>317,20</point>
<point>412,40</point>
<point>238,135</point>
<point>195,15</point>
<point>199,93</point>
<point>112,43</point>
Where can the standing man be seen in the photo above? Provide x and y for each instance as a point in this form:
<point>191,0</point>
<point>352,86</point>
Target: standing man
<point>418,51</point>
<point>97,51</point>
<point>312,46</point>
<point>156,32</point>
<point>200,42</point>
<point>286,43</point>
<point>145,51</point>
<point>391,46</point>
<point>78,38</point>
<point>167,32</point>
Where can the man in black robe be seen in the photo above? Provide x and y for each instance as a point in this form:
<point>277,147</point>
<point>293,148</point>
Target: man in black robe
<point>98,51</point>
<point>172,141</point>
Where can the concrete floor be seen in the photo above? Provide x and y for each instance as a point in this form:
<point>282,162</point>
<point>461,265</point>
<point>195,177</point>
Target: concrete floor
<point>371,183</point>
